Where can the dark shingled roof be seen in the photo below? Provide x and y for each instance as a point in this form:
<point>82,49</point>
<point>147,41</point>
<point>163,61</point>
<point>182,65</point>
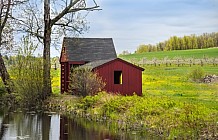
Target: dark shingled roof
<point>89,49</point>
<point>94,64</point>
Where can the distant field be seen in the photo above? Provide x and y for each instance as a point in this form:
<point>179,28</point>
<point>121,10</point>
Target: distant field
<point>196,53</point>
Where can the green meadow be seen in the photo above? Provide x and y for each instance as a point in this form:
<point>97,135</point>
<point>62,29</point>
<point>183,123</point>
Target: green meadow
<point>196,53</point>
<point>174,82</point>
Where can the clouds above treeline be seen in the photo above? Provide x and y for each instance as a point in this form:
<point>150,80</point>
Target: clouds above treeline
<point>131,23</point>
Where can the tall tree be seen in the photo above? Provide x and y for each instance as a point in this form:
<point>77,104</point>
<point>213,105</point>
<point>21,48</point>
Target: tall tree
<point>60,20</point>
<point>5,9</point>
<point>6,37</point>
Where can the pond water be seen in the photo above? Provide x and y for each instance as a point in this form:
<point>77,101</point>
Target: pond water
<point>18,125</point>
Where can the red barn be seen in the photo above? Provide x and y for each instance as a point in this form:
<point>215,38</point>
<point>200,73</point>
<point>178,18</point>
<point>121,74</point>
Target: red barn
<point>99,54</point>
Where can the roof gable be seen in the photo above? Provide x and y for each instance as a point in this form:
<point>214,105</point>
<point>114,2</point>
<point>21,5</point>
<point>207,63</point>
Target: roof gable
<point>88,49</point>
<point>101,63</point>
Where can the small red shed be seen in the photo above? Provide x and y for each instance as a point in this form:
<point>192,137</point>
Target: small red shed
<point>120,76</point>
<point>99,54</point>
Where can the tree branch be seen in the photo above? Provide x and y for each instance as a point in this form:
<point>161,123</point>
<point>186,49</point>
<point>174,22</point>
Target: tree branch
<point>67,25</point>
<point>6,14</point>
<point>36,34</point>
<point>84,9</point>
<point>69,10</point>
<point>64,12</point>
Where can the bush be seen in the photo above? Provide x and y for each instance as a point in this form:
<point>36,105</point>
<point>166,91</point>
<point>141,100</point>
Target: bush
<point>197,74</point>
<point>28,80</point>
<point>27,76</point>
<point>85,82</point>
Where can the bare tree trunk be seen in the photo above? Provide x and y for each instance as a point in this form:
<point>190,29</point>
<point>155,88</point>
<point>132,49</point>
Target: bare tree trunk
<point>5,76</point>
<point>47,90</point>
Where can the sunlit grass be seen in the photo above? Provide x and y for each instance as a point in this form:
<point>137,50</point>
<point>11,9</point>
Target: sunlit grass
<point>175,83</point>
<point>196,53</point>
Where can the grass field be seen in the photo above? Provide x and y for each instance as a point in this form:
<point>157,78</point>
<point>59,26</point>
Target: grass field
<point>174,82</point>
<point>197,53</point>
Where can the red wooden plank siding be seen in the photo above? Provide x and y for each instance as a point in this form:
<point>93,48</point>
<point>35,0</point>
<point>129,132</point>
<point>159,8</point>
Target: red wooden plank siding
<point>131,75</point>
<point>63,77</point>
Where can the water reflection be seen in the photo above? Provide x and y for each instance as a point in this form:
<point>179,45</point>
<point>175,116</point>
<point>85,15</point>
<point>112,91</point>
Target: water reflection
<point>31,126</point>
<point>22,126</point>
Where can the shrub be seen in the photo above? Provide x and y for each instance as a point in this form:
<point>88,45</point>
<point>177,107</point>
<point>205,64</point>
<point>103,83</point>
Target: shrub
<point>197,74</point>
<point>85,82</point>
<point>27,76</point>
<point>28,80</point>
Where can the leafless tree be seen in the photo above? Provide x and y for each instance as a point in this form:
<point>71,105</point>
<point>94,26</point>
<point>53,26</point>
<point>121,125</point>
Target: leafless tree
<point>6,37</point>
<point>60,18</point>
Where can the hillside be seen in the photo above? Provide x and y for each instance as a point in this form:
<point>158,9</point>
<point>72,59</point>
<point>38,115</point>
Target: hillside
<point>196,53</point>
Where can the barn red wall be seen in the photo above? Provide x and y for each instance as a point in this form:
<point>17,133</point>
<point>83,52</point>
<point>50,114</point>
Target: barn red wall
<point>63,76</point>
<point>131,82</point>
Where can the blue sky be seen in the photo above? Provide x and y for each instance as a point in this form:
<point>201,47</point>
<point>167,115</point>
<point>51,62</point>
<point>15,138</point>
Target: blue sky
<point>134,22</point>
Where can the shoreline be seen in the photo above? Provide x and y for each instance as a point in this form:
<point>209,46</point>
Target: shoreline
<point>169,120</point>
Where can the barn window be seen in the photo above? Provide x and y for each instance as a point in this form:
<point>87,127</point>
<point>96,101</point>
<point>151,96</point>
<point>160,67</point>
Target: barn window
<point>117,77</point>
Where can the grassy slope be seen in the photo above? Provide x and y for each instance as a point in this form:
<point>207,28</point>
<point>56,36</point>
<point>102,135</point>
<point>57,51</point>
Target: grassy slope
<point>173,82</point>
<point>197,53</point>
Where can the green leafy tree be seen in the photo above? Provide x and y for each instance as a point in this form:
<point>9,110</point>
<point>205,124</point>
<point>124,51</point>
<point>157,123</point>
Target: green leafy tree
<point>142,48</point>
<point>28,75</point>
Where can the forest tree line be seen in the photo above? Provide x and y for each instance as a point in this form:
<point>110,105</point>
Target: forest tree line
<point>206,40</point>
